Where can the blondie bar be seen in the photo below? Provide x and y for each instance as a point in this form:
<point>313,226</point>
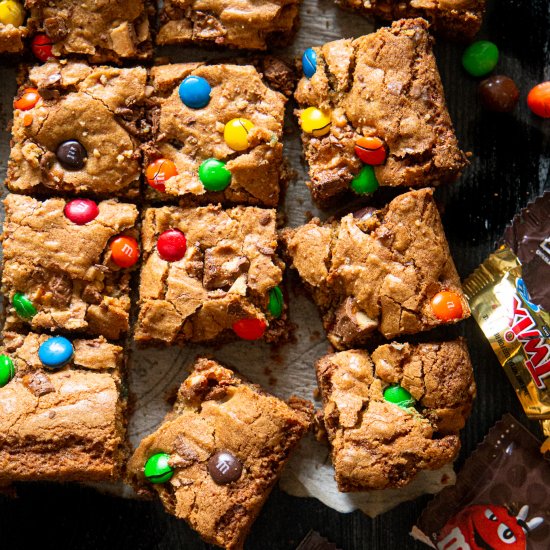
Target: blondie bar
<point>13,29</point>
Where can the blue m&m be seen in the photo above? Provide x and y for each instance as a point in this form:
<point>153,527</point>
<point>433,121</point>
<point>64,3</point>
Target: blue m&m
<point>309,62</point>
<point>55,352</point>
<point>195,92</point>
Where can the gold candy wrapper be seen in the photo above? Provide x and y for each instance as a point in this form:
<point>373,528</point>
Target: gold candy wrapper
<point>517,329</point>
<point>545,425</point>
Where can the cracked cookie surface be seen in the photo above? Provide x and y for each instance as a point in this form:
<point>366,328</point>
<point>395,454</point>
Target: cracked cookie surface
<point>387,85</point>
<point>457,19</point>
<point>252,24</point>
<point>66,425</point>
<point>102,109</point>
<point>215,411</point>
<point>65,269</point>
<point>229,267</point>
<point>378,272</point>
<point>377,444</point>
<point>102,30</point>
<point>188,136</point>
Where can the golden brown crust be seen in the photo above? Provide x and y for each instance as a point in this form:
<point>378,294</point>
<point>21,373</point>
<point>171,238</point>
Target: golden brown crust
<point>217,410</point>
<point>385,84</point>
<point>12,39</point>
<point>376,444</point>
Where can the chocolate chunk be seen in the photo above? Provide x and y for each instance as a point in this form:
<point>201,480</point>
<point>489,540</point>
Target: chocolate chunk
<point>38,383</point>
<point>71,154</point>
<point>56,28</point>
<point>224,467</point>
<point>314,541</point>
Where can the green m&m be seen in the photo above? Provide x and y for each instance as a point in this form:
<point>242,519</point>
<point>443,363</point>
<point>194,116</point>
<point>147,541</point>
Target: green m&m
<point>214,175</point>
<point>7,370</point>
<point>276,302</point>
<point>365,182</point>
<point>157,469</point>
<point>23,306</point>
<point>399,396</point>
<point>480,58</point>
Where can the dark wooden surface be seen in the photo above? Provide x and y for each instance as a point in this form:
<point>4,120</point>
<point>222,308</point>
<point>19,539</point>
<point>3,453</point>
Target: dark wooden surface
<point>510,167</point>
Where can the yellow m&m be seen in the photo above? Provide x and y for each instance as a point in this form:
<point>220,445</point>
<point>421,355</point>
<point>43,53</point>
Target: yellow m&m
<point>235,133</point>
<point>314,121</point>
<point>11,13</point>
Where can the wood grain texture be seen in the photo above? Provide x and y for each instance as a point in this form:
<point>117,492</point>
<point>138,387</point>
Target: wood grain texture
<point>509,168</point>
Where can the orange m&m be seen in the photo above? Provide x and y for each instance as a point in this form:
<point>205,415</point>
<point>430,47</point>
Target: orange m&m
<point>447,306</point>
<point>249,329</point>
<point>159,172</point>
<point>124,251</point>
<point>371,150</point>
<point>538,99</point>
<point>28,99</point>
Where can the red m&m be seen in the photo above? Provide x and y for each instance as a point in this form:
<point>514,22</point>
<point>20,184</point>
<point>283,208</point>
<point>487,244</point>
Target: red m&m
<point>249,329</point>
<point>81,211</point>
<point>159,172</point>
<point>124,251</point>
<point>371,150</point>
<point>171,245</point>
<point>41,47</point>
<point>28,99</point>
<point>447,306</point>
<point>538,99</point>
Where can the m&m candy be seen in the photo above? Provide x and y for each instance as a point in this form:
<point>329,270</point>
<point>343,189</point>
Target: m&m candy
<point>538,99</point>
<point>214,175</point>
<point>29,98</point>
<point>480,58</point>
<point>124,251</point>
<point>249,329</point>
<point>11,13</point>
<point>276,302</point>
<point>399,396</point>
<point>41,47</point>
<point>314,121</point>
<point>499,94</point>
<point>55,352</point>
<point>194,92</point>
<point>157,469</point>
<point>371,150</point>
<point>309,62</point>
<point>81,211</point>
<point>171,245</point>
<point>71,154</point>
<point>235,133</point>
<point>23,306</point>
<point>365,182</point>
<point>7,370</point>
<point>447,305</point>
<point>159,172</point>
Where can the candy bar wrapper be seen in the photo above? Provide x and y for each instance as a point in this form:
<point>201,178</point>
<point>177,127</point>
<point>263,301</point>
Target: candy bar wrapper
<point>545,447</point>
<point>500,500</point>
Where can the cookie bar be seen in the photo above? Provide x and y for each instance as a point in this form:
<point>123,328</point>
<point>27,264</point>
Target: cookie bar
<point>13,29</point>
<point>102,31</point>
<point>66,265</point>
<point>253,24</point>
<point>457,19</point>
<point>373,113</point>
<point>210,274</point>
<point>61,411</point>
<point>390,416</point>
<point>216,457</point>
<point>77,129</point>
<point>388,270</point>
<point>218,132</point>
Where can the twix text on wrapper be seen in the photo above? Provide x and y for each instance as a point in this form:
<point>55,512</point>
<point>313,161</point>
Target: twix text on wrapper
<point>500,500</point>
<point>508,296</point>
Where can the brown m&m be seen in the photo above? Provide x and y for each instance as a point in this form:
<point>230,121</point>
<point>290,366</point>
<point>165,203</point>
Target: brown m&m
<point>71,154</point>
<point>224,467</point>
<point>499,93</point>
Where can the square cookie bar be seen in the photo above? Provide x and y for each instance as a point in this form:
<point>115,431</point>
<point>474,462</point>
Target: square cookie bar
<point>66,265</point>
<point>217,135</point>
<point>390,416</point>
<point>210,274</point>
<point>373,113</point>
<point>13,29</point>
<point>253,24</point>
<point>102,31</point>
<point>216,457</point>
<point>77,130</point>
<point>61,411</point>
<point>389,270</point>
<point>456,19</point>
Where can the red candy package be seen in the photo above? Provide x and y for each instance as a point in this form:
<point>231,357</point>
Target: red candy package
<point>501,500</point>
